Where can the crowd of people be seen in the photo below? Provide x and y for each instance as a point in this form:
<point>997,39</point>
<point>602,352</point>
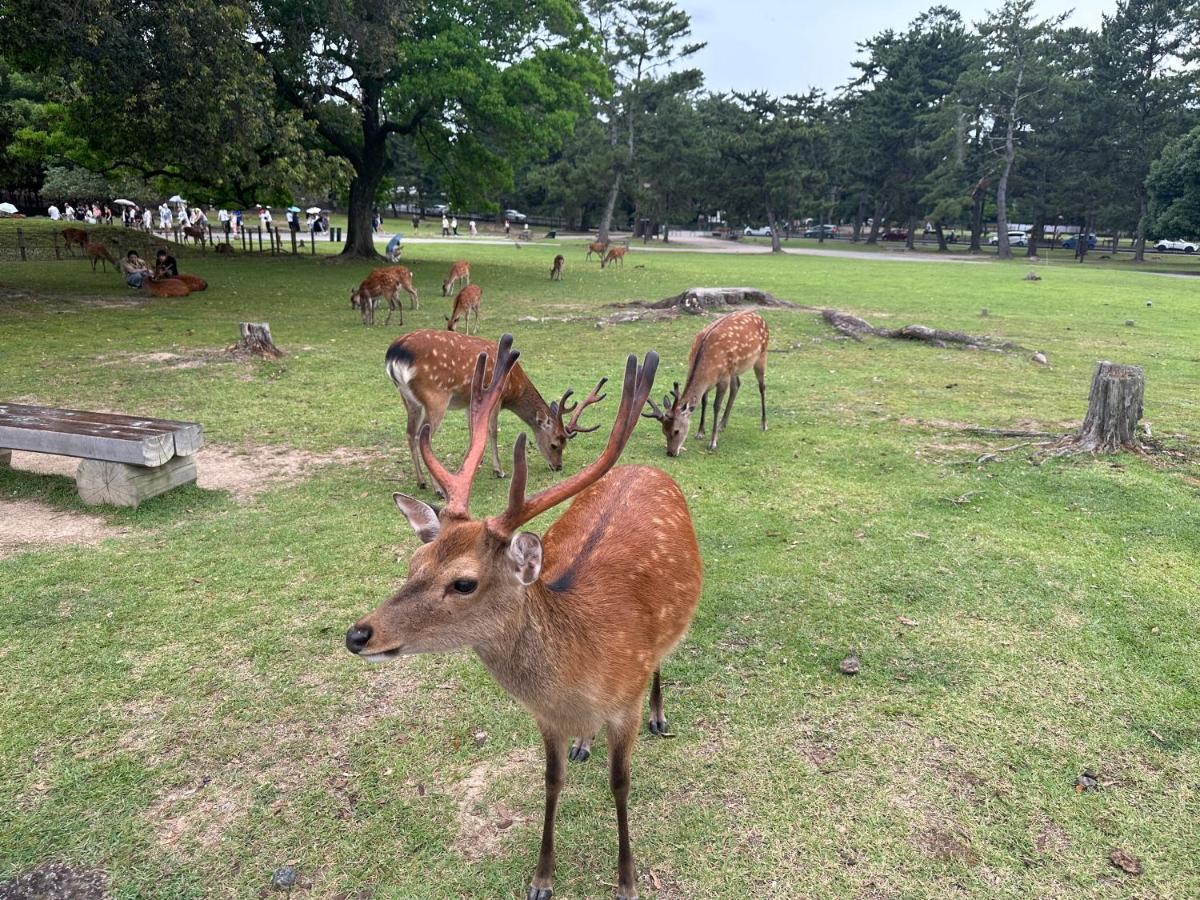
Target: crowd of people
<point>176,215</point>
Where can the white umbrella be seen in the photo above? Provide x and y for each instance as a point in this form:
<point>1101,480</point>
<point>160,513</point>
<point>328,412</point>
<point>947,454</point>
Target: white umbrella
<point>124,203</point>
<point>313,209</point>
<point>176,199</point>
<point>7,208</point>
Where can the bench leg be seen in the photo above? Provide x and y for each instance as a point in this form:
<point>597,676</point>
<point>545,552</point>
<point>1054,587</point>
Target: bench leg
<point>5,459</point>
<point>119,484</point>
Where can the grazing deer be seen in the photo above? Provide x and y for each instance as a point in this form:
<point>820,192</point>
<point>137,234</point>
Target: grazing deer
<point>616,254</point>
<point>721,352</point>
<point>166,287</point>
<point>75,236</point>
<point>432,372</point>
<point>380,284</point>
<point>405,278</point>
<point>573,624</point>
<point>556,271</point>
<point>460,271</point>
<point>597,247</point>
<point>98,253</point>
<point>194,282</point>
<point>465,303</point>
<point>196,233</point>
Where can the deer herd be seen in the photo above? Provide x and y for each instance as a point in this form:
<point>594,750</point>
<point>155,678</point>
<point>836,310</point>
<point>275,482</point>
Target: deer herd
<point>575,623</point>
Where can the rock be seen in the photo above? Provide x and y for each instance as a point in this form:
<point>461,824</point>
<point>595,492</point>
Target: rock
<point>1129,322</point>
<point>1039,358</point>
<point>1126,862</point>
<point>984,312</point>
<point>481,738</point>
<point>1149,302</point>
<point>1033,276</point>
<point>1086,782</point>
<point>284,878</point>
<point>851,665</point>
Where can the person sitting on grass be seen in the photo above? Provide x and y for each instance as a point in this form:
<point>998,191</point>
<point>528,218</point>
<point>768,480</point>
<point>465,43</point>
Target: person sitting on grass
<point>165,265</point>
<point>393,247</point>
<point>134,269</point>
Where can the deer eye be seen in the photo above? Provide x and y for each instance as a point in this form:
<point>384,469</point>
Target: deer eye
<point>465,585</point>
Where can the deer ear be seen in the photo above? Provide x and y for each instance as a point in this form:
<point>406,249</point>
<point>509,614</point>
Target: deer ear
<point>525,551</point>
<point>421,516</point>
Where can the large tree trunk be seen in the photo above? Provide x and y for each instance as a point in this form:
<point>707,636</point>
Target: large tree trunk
<point>911,235</point>
<point>941,236</point>
<point>1039,228</point>
<point>977,222</point>
<point>1003,250</point>
<point>368,174</point>
<point>876,221</point>
<point>862,214</point>
<point>1139,241</point>
<point>609,205</point>
<point>1114,408</point>
<point>776,245</point>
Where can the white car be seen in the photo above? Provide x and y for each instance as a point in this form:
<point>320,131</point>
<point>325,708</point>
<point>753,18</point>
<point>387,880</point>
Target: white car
<point>1184,246</point>
<point>1015,239</point>
<point>765,231</point>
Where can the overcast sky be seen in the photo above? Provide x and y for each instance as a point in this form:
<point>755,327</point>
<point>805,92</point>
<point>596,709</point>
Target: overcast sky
<point>788,46</point>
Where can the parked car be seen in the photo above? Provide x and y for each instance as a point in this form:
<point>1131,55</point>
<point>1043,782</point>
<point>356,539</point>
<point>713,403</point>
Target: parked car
<point>514,216</point>
<point>831,231</point>
<point>1015,239</point>
<point>764,231</point>
<point>440,208</point>
<point>1073,241</point>
<point>1177,245</point>
<point>898,235</point>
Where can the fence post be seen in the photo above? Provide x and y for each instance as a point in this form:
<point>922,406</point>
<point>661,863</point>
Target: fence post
<point>21,242</point>
<point>55,236</point>
<point>312,243</point>
<point>293,230</point>
<point>259,230</point>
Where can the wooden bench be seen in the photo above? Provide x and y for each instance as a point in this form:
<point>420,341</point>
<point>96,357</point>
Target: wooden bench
<point>125,459</point>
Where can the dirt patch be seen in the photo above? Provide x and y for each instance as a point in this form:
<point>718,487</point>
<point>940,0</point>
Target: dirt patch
<point>26,524</point>
<point>482,824</point>
<point>55,881</point>
<point>183,359</point>
<point>948,845</point>
<point>201,811</point>
<point>1051,840</point>
<point>247,472</point>
<point>11,298</point>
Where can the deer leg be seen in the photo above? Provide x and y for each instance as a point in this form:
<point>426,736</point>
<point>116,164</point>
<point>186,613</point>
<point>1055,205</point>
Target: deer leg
<point>703,413</point>
<point>556,772</point>
<point>434,416</point>
<point>658,716</point>
<point>760,372</point>
<point>416,416</point>
<point>581,749</point>
<point>720,389</point>
<point>497,470</point>
<point>413,300</point>
<point>733,390</point>
<point>621,736</point>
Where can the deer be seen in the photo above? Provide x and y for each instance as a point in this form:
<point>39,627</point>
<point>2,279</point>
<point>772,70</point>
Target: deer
<point>573,624</point>
<point>194,282</point>
<point>597,247</point>
<point>166,287</point>
<point>405,278</point>
<point>556,271</point>
<point>616,254</point>
<point>196,233</point>
<point>98,253</point>
<point>460,271</point>
<point>75,236</point>
<point>465,303</point>
<point>382,283</point>
<point>721,352</point>
<point>432,371</point>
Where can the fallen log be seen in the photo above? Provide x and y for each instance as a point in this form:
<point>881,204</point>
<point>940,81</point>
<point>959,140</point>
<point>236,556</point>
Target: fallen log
<point>697,300</point>
<point>853,327</point>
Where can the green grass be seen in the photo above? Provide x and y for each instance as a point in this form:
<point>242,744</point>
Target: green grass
<point>178,710</point>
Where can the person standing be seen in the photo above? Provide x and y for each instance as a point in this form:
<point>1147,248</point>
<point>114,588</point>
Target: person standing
<point>147,220</point>
<point>53,213</point>
<point>164,217</point>
<point>454,226</point>
<point>416,221</point>
<point>181,216</point>
<point>507,227</point>
<point>445,226</point>
<point>294,222</point>
<point>237,222</point>
<point>474,230</point>
<point>223,218</point>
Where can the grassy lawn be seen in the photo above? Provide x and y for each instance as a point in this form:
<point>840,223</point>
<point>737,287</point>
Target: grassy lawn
<point>178,709</point>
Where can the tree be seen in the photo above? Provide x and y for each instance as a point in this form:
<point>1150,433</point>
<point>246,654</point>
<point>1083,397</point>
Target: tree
<point>639,39</point>
<point>1173,189</point>
<point>676,154</point>
<point>1016,57</point>
<point>1138,68</point>
<point>763,146</point>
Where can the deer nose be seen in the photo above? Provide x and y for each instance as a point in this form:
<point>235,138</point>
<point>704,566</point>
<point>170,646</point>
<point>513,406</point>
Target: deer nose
<point>357,638</point>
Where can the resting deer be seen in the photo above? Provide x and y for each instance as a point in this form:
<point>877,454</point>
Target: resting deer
<point>556,271</point>
<point>721,352</point>
<point>574,624</point>
<point>194,282</point>
<point>616,254</point>
<point>75,236</point>
<point>597,247</point>
<point>460,271</point>
<point>166,287</point>
<point>432,371</point>
<point>465,303</point>
<point>98,253</point>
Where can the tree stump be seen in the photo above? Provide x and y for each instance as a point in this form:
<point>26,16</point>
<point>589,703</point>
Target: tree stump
<point>256,339</point>
<point>1114,408</point>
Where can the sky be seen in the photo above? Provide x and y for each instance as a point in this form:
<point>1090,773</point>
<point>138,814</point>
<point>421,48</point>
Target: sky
<point>789,46</point>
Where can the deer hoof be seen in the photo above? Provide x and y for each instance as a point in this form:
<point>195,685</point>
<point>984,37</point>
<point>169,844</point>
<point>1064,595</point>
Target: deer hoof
<point>537,893</point>
<point>626,893</point>
<point>659,727</point>
<point>499,474</point>
<point>581,751</point>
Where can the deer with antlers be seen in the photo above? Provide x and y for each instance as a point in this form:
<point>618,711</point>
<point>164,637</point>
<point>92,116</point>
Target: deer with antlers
<point>597,247</point>
<point>460,271</point>
<point>432,372</point>
<point>616,254</point>
<point>575,624</point>
<point>465,303</point>
<point>721,352</point>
